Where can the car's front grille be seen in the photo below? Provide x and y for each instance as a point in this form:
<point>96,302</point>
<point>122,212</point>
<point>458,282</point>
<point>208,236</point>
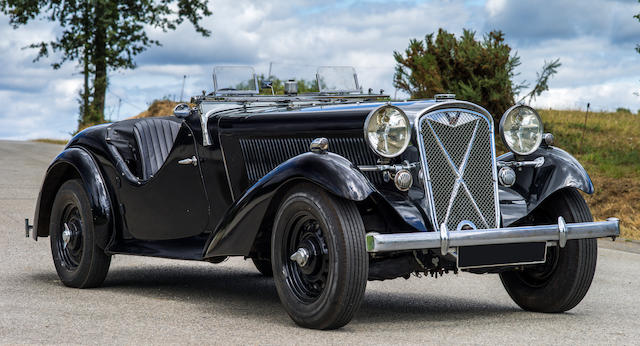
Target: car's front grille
<point>459,168</point>
<point>261,155</point>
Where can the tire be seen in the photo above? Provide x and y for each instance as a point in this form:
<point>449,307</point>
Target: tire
<point>563,281</point>
<point>326,292</point>
<point>80,263</point>
<point>263,266</point>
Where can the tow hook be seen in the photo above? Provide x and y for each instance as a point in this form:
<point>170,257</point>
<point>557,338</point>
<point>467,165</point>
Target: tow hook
<point>27,228</point>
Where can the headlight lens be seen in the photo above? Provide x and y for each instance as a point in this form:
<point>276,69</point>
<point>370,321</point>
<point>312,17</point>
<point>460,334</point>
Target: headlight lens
<point>521,129</point>
<point>387,131</point>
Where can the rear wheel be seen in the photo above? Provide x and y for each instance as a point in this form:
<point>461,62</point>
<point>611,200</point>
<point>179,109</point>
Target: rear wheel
<point>319,259</point>
<point>78,260</point>
<point>563,281</point>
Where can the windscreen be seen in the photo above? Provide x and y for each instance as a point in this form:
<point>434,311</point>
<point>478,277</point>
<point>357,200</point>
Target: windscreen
<point>234,79</point>
<point>337,79</point>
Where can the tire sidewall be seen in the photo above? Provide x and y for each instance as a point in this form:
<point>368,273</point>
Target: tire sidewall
<point>72,193</point>
<point>323,308</point>
<point>574,268</point>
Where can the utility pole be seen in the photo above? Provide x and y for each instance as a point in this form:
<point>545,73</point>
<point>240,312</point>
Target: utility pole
<point>184,78</point>
<point>118,113</point>
<point>584,130</point>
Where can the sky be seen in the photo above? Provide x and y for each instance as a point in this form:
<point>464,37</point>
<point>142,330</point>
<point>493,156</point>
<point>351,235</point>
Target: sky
<point>594,39</point>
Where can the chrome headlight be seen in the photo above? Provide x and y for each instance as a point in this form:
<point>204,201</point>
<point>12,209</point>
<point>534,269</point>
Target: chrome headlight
<point>387,130</point>
<point>521,129</point>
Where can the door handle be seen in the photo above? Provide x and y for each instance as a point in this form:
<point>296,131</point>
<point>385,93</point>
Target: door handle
<point>189,161</point>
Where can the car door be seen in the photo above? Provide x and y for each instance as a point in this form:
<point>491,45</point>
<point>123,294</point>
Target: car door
<point>172,203</point>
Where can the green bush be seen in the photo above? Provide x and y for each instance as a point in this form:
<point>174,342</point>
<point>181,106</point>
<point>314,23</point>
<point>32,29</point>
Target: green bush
<point>474,70</point>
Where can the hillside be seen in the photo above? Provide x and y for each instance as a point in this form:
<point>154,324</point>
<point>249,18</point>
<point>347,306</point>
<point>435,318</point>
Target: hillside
<point>158,108</point>
<point>610,153</point>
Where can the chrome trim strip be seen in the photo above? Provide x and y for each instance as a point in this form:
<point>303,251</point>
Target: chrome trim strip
<point>444,239</point>
<point>425,165</point>
<point>393,168</point>
<point>204,122</point>
<point>495,171</point>
<point>474,204</point>
<point>562,232</point>
<point>525,234</point>
<point>537,163</point>
<point>226,169</point>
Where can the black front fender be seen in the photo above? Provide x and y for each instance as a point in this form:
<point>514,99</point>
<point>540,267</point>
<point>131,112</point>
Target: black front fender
<point>75,163</point>
<point>235,234</point>
<point>534,184</point>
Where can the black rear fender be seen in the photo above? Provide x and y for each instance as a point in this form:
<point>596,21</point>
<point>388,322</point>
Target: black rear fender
<point>75,163</point>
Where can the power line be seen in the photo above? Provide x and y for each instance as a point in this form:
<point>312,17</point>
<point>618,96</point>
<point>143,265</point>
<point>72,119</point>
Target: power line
<point>123,100</point>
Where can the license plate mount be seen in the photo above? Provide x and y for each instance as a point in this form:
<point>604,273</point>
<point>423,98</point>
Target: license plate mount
<point>482,256</point>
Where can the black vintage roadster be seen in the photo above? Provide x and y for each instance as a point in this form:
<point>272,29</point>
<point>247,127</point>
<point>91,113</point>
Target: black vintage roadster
<point>325,191</point>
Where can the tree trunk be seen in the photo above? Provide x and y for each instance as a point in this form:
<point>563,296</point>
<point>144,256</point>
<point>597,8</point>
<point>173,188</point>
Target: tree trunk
<point>85,106</point>
<point>100,64</point>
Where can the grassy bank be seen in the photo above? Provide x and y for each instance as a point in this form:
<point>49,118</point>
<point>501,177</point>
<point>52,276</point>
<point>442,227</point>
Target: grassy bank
<point>610,151</point>
<point>51,141</point>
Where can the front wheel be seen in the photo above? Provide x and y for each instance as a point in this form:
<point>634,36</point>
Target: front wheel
<point>78,260</point>
<point>562,282</point>
<point>320,264</point>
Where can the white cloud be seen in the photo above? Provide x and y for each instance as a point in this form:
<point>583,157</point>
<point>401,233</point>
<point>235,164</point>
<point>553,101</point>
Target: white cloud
<point>494,7</point>
<point>594,41</point>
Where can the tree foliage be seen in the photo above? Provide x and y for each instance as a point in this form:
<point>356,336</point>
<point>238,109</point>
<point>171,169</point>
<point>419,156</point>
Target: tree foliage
<point>102,36</point>
<point>542,81</point>
<point>637,16</point>
<point>304,86</point>
<point>476,71</point>
<point>479,71</point>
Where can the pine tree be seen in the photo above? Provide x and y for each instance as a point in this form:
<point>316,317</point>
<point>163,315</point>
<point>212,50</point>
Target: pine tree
<point>476,71</point>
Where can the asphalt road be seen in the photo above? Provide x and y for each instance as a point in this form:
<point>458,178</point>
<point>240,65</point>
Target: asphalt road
<point>156,301</point>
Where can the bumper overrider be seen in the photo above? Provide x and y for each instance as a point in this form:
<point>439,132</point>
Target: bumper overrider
<point>445,240</point>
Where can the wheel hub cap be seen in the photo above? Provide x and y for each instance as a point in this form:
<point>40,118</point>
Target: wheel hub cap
<point>301,257</point>
<point>306,260</point>
<point>66,235</point>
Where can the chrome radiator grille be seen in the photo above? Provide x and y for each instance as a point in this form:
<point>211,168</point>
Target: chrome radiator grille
<point>261,155</point>
<point>459,167</point>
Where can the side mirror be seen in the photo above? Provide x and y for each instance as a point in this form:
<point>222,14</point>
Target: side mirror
<point>182,111</point>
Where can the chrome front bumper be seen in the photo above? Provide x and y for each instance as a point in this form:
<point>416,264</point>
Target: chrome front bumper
<point>445,239</point>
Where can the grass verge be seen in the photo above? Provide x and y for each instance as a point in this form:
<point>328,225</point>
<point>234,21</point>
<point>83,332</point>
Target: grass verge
<point>51,141</point>
<point>610,152</point>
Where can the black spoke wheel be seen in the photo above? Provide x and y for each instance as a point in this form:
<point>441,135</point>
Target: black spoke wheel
<point>70,242</point>
<point>563,280</point>
<point>318,255</point>
<point>306,281</point>
<point>78,260</point>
